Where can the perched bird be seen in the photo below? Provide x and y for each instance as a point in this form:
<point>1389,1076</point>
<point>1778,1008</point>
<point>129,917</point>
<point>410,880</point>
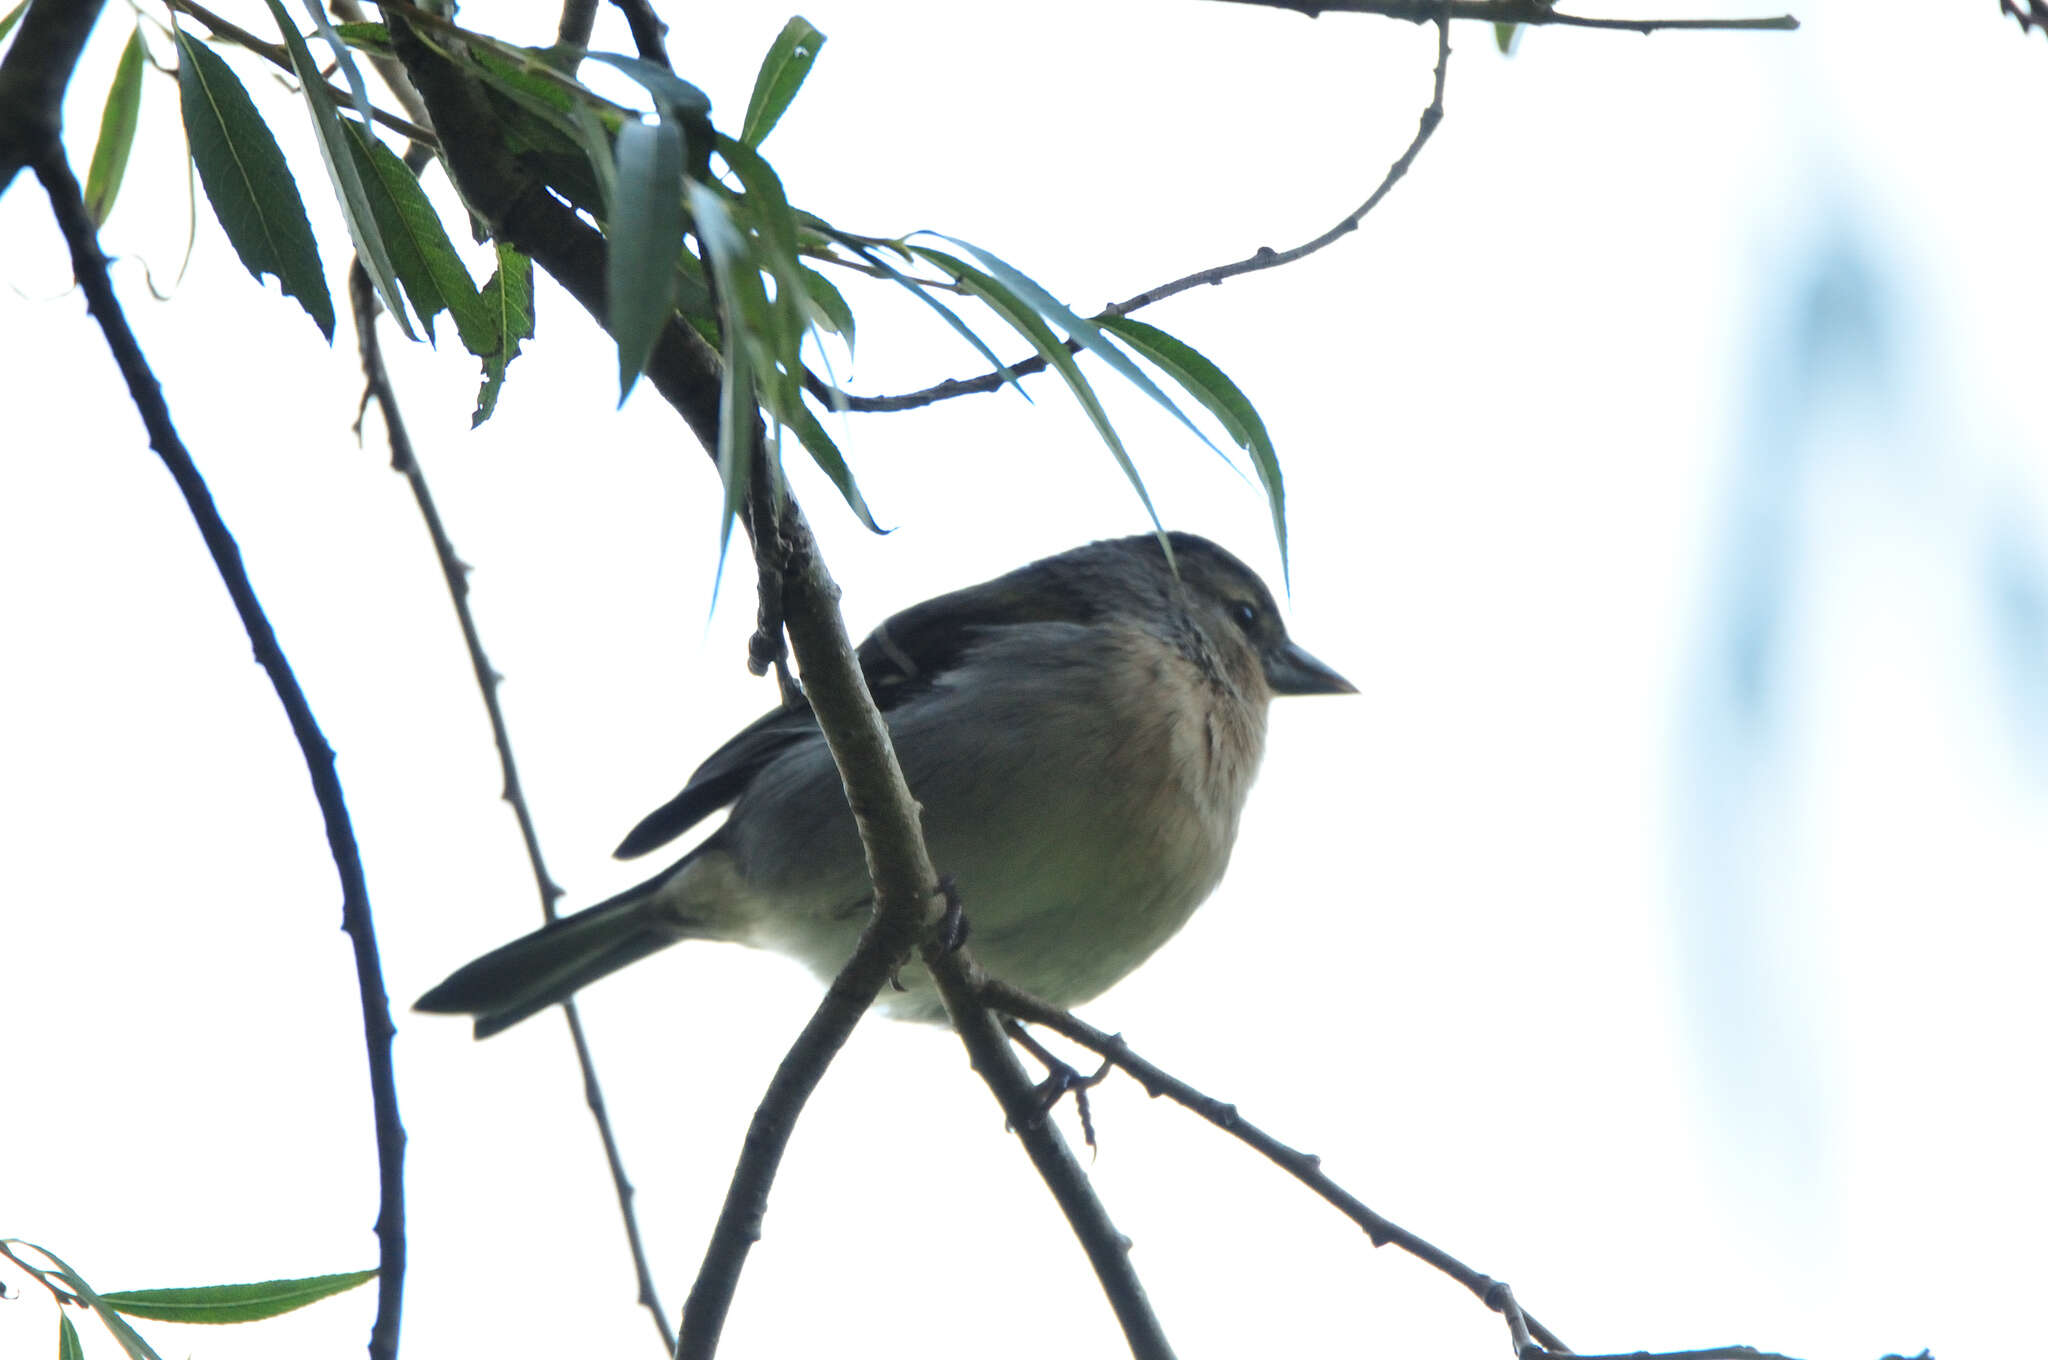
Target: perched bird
<point>1080,733</point>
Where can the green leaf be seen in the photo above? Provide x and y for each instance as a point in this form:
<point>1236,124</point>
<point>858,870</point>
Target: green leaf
<point>671,91</point>
<point>827,456</point>
<point>131,1342</point>
<point>372,38</point>
<point>776,329</point>
<point>783,71</point>
<point>345,60</point>
<point>1504,36</point>
<point>424,258</point>
<point>508,301</point>
<point>645,234</point>
<point>223,1303</point>
<point>1086,332</point>
<point>735,440</point>
<point>765,208</point>
<point>680,104</point>
<point>13,17</point>
<point>117,132</point>
<point>728,251</point>
<point>247,181</point>
<point>67,1338</point>
<point>1208,385</point>
<point>826,305</point>
<point>1025,320</point>
<point>341,169</point>
<point>595,140</point>
<point>541,110</point>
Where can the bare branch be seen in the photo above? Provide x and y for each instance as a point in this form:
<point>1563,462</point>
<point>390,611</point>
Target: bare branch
<point>377,387</point>
<point>1262,258</point>
<point>454,571</point>
<point>1265,258</point>
<point>650,34</point>
<point>1536,13</point>
<point>1531,1339</point>
<point>90,267</point>
<point>1301,1165</point>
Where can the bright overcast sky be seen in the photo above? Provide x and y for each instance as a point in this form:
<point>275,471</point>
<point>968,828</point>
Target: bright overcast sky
<point>1660,930</point>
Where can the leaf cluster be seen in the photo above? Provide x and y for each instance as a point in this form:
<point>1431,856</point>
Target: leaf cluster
<point>699,230</point>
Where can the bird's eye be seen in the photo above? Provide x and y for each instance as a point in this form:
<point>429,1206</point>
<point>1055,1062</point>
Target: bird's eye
<point>1245,614</point>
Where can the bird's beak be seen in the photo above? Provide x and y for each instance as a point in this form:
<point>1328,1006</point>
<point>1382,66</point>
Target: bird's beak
<point>1290,670</point>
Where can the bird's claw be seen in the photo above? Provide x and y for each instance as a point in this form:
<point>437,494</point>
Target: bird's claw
<point>1060,1078</point>
<point>952,924</point>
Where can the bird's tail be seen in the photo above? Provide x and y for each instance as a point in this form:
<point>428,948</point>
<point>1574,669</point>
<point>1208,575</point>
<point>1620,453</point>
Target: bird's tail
<point>538,970</point>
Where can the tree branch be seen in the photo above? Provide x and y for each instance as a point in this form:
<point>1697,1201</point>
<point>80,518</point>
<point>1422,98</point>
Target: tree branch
<point>1263,258</point>
<point>34,76</point>
<point>903,879</point>
<point>1530,1338</point>
<point>1533,12</point>
<point>1536,13</point>
<point>1303,1166</point>
<point>90,267</point>
<point>650,34</point>
<point>377,387</point>
<point>578,18</point>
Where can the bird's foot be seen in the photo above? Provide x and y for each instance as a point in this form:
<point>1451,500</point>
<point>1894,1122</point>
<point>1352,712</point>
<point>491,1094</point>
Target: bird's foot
<point>1060,1078</point>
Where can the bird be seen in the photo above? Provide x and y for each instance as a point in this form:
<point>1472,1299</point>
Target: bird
<point>1080,734</point>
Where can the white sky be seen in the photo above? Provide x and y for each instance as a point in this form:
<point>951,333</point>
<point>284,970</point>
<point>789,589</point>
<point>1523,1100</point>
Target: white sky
<point>1700,1020</point>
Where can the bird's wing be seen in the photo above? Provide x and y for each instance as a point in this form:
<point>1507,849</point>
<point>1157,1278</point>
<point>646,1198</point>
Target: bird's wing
<point>722,777</point>
<point>915,648</point>
<point>904,657</point>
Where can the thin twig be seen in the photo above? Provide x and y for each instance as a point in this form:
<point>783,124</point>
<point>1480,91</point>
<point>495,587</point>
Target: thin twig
<point>455,574</point>
<point>275,54</point>
<point>454,571</point>
<point>1536,13</point>
<point>1301,1165</point>
<point>90,268</point>
<point>1266,258</point>
<point>593,1096</point>
<point>1263,258</point>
